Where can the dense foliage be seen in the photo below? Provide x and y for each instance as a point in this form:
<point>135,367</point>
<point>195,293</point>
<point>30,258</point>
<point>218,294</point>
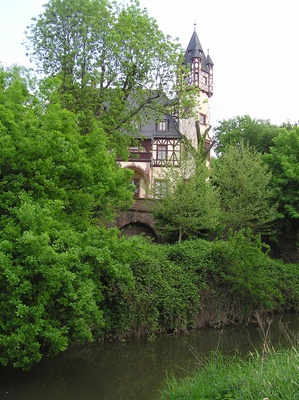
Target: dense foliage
<point>283,161</point>
<point>197,283</point>
<point>65,277</point>
<point>189,205</point>
<point>243,182</point>
<point>53,184</point>
<point>194,284</point>
<point>279,149</point>
<point>258,134</point>
<point>113,61</point>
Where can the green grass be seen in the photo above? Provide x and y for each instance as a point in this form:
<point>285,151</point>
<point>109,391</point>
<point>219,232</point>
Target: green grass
<point>273,375</point>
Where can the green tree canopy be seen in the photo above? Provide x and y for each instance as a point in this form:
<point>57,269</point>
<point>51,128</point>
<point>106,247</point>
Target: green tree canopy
<point>243,181</point>
<point>43,153</point>
<point>254,132</point>
<point>189,204</point>
<point>113,61</point>
<point>56,187</point>
<point>283,162</point>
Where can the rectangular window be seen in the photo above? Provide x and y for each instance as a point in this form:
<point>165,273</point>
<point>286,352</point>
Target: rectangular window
<point>160,189</point>
<point>162,126</point>
<point>136,183</point>
<point>203,119</point>
<point>161,152</point>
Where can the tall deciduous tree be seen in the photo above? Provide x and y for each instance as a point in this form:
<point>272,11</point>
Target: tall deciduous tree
<point>113,61</point>
<point>283,162</point>
<point>43,153</point>
<point>243,181</point>
<point>254,132</point>
<point>53,182</point>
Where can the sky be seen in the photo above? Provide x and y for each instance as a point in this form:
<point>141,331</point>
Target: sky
<point>254,45</point>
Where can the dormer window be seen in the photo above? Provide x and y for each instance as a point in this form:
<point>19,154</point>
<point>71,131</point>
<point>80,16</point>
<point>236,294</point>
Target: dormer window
<point>163,126</point>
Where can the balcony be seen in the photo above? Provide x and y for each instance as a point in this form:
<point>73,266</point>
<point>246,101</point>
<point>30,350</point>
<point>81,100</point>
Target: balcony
<point>142,156</point>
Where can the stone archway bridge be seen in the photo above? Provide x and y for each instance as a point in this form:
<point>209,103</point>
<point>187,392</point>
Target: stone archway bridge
<point>137,219</point>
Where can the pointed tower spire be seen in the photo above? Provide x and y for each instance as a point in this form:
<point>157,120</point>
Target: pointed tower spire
<point>209,60</point>
<point>194,48</point>
<point>201,67</point>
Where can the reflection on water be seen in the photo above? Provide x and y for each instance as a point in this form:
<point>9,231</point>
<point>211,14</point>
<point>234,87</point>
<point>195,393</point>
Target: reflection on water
<point>134,369</point>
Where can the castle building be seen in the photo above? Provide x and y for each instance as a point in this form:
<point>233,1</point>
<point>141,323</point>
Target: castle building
<point>161,141</point>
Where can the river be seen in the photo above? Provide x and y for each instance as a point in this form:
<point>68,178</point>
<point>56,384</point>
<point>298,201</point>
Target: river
<point>134,369</point>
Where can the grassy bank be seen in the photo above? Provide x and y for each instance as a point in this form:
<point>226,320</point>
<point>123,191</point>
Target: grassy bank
<point>257,377</point>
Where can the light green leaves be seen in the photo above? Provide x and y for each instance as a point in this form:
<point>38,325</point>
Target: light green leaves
<point>247,201</point>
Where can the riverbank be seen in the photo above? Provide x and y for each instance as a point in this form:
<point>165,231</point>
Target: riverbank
<point>134,288</point>
<point>268,372</point>
<point>135,369</point>
<point>269,376</point>
<point>196,284</point>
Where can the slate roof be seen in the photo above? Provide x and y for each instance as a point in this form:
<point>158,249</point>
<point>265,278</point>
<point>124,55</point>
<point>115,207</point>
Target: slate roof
<point>149,130</point>
<point>194,49</point>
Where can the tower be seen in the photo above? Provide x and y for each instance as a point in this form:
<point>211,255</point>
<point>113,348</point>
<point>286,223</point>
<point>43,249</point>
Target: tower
<point>200,69</point>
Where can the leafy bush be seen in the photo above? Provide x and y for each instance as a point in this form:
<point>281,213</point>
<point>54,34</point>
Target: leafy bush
<point>242,266</point>
<point>164,296</point>
<point>196,283</point>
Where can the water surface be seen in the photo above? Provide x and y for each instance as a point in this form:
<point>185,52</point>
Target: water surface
<point>133,369</point>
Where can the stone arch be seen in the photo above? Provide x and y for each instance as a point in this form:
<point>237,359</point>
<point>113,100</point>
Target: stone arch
<point>137,220</point>
<point>137,228</point>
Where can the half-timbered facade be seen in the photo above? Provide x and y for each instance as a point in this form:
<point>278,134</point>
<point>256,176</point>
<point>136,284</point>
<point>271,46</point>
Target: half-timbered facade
<point>161,142</point>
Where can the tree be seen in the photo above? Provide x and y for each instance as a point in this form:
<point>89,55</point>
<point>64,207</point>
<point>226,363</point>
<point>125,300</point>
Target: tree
<point>189,204</point>
<point>113,61</point>
<point>44,154</point>
<point>255,133</point>
<point>283,161</point>
<point>243,181</point>
<point>56,188</point>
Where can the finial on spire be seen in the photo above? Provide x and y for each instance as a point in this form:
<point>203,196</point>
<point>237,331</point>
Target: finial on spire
<point>194,26</point>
